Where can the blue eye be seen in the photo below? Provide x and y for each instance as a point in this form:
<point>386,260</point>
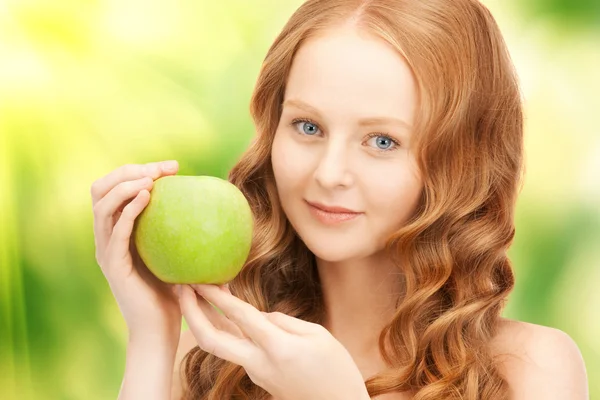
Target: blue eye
<point>312,128</point>
<point>384,143</point>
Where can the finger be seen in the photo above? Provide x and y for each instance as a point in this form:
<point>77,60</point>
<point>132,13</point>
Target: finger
<point>130,172</point>
<point>222,344</point>
<point>118,245</point>
<point>292,324</point>
<point>218,319</point>
<point>105,210</point>
<point>225,288</point>
<point>254,324</point>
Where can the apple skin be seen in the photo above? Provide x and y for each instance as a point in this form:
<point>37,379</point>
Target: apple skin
<point>195,229</point>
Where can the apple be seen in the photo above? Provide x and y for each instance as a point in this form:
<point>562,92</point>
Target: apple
<point>195,229</point>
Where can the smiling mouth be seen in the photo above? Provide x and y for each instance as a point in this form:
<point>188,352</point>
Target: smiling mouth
<point>332,209</point>
<point>332,218</point>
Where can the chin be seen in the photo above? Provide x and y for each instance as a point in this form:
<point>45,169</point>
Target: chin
<point>332,244</point>
<point>330,250</point>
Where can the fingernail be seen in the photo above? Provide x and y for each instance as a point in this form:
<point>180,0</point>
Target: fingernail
<point>169,166</point>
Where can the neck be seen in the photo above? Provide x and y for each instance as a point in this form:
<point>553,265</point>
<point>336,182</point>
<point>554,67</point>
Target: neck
<point>360,298</point>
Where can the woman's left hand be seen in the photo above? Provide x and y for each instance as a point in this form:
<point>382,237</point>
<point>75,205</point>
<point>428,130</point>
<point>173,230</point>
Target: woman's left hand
<point>290,358</point>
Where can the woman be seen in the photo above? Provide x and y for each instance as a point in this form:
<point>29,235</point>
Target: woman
<point>383,179</point>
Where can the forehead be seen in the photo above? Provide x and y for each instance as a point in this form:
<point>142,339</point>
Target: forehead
<point>347,71</point>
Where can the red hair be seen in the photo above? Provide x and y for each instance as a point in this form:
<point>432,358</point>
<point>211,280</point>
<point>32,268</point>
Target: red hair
<point>468,144</point>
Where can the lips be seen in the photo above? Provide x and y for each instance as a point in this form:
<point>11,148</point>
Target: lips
<point>333,209</point>
<point>327,217</point>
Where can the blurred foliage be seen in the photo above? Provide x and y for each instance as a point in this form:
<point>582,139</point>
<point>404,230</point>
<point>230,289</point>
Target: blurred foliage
<point>586,12</point>
<point>87,86</point>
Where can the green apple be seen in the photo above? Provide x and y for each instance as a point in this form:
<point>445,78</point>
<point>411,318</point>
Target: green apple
<point>195,229</point>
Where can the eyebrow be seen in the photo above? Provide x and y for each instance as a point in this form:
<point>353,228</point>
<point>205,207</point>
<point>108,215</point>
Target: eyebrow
<point>370,121</point>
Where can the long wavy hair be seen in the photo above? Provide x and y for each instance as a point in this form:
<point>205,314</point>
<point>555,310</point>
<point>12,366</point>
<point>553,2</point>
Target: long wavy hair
<point>468,145</point>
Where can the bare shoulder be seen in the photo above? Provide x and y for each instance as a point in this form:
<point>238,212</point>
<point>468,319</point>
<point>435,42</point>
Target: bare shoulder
<point>187,342</point>
<point>540,362</point>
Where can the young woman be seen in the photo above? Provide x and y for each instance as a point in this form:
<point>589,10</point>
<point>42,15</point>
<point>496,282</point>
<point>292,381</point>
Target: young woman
<point>383,180</point>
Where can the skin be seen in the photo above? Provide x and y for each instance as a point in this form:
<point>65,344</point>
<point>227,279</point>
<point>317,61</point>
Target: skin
<point>150,309</point>
<point>331,160</point>
<point>339,165</point>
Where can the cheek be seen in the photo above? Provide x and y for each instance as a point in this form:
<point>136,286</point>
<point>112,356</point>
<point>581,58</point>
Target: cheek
<point>393,198</point>
<point>290,164</point>
<point>278,157</point>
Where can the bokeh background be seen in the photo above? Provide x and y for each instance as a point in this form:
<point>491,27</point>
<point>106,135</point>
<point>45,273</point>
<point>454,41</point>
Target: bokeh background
<point>90,85</point>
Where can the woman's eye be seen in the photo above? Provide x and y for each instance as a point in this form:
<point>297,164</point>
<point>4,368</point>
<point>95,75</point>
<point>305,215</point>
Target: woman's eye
<point>382,142</point>
<point>307,127</point>
<point>379,141</point>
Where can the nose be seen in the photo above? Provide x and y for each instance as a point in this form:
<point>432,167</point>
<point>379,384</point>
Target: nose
<point>333,167</point>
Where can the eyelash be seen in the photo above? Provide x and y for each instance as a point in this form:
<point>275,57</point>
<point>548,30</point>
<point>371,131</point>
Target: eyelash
<point>370,135</point>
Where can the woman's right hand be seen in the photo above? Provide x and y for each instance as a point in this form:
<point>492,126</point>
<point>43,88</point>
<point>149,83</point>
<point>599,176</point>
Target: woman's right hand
<point>148,305</point>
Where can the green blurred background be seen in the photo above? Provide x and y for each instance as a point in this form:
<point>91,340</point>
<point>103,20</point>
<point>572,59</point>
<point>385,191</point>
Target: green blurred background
<point>90,85</point>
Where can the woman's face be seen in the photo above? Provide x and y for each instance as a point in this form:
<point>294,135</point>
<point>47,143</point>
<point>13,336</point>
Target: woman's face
<point>342,140</point>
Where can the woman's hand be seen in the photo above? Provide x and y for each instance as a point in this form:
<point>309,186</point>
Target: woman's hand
<point>149,306</point>
<point>290,358</point>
